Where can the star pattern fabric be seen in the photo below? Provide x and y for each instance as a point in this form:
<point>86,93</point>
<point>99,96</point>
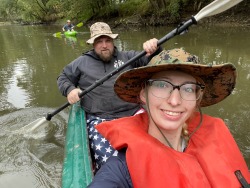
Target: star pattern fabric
<point>100,148</point>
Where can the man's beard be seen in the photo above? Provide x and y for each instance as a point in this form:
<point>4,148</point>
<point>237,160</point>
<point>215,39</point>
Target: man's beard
<point>106,55</point>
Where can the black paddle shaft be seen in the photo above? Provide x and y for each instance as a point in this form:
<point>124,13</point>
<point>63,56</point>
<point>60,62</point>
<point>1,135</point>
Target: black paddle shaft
<point>182,28</point>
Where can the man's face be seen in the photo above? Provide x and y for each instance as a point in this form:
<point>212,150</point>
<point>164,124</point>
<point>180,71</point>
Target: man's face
<point>104,47</point>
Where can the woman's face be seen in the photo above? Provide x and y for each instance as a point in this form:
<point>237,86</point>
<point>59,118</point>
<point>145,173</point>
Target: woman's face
<point>171,111</point>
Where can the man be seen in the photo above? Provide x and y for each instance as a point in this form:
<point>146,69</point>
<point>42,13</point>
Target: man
<point>68,26</point>
<point>101,104</point>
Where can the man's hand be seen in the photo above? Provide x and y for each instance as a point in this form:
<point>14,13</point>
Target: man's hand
<point>73,96</point>
<point>150,46</point>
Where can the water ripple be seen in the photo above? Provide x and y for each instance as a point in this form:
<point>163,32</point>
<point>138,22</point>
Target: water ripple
<point>34,159</point>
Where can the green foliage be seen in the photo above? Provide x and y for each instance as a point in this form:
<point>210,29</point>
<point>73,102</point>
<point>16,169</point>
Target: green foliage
<point>48,11</point>
<point>174,9</point>
<point>8,9</point>
<point>30,10</point>
<point>132,7</point>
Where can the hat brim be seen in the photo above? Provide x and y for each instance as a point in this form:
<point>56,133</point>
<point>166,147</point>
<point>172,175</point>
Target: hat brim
<point>92,39</point>
<point>219,80</point>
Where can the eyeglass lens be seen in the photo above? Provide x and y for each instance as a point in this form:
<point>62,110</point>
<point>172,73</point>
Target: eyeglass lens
<point>163,89</point>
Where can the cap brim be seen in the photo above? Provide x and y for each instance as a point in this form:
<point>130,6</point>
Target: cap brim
<point>219,80</point>
<point>91,40</point>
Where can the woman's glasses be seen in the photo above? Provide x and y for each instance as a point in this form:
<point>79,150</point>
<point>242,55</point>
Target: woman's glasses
<point>163,89</point>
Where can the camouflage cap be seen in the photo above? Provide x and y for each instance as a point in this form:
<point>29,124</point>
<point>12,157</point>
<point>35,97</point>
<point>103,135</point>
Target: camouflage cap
<point>219,80</point>
<point>98,29</point>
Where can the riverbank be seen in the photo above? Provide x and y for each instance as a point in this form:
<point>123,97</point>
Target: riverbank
<point>238,20</point>
<point>235,17</point>
<point>136,22</point>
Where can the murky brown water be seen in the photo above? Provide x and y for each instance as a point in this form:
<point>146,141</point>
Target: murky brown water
<point>31,60</point>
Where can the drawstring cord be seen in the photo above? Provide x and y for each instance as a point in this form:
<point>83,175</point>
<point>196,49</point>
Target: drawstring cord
<point>170,145</point>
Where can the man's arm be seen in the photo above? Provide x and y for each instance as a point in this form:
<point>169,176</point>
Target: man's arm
<point>68,80</point>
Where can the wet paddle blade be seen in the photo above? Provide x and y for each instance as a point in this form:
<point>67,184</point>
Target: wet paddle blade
<point>33,125</point>
<point>79,25</point>
<point>58,34</point>
<point>215,7</point>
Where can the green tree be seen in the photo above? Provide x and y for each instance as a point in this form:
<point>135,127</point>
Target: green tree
<point>49,11</point>
<point>40,10</point>
<point>8,9</point>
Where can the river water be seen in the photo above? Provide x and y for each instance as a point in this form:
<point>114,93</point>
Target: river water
<point>32,58</point>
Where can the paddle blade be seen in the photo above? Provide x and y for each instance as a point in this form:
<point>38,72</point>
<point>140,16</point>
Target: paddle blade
<point>79,25</point>
<point>215,7</point>
<point>33,125</point>
<point>58,34</point>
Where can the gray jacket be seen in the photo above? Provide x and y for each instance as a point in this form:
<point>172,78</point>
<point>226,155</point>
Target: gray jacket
<point>88,68</point>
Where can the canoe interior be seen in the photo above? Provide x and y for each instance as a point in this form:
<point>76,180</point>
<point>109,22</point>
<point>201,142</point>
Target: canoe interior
<point>77,166</point>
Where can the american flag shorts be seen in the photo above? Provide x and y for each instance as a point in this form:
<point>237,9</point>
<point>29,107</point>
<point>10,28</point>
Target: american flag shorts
<point>100,148</point>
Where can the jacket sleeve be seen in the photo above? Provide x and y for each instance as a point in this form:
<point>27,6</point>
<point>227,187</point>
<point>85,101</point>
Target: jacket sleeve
<point>68,79</point>
<point>113,174</point>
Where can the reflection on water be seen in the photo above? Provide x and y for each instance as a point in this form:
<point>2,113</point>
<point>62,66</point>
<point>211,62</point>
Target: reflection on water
<point>32,58</point>
<point>68,40</point>
<point>18,76</point>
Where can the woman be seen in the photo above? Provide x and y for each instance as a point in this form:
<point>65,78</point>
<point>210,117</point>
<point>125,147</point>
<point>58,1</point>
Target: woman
<point>173,144</point>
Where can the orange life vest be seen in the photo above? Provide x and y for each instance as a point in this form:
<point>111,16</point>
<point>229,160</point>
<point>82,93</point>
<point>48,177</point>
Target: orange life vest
<point>210,159</point>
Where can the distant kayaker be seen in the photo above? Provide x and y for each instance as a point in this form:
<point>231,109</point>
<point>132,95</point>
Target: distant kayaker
<point>68,26</point>
<point>101,103</point>
<point>173,144</point>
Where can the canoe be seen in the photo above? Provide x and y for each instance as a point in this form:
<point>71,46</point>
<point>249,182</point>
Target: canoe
<point>70,33</point>
<point>77,165</point>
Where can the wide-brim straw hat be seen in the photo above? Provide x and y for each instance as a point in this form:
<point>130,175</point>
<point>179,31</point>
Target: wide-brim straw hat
<point>98,29</point>
<point>219,80</point>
